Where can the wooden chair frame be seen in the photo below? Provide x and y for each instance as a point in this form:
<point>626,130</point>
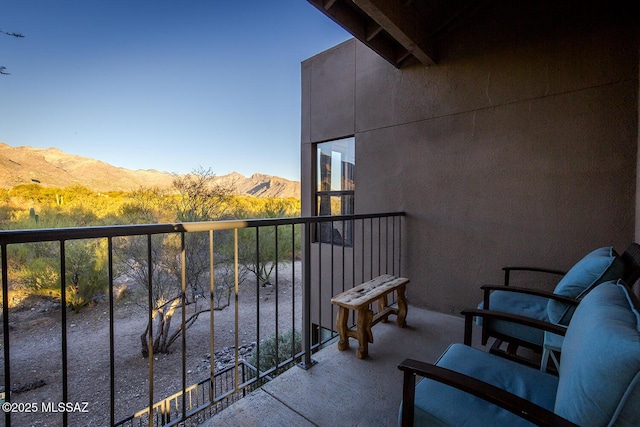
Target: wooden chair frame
<point>630,258</point>
<point>511,402</point>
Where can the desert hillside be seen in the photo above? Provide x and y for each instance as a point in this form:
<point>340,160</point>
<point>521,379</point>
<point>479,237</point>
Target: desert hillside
<point>52,167</point>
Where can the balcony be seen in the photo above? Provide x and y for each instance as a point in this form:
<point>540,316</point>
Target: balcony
<point>68,381</point>
<point>343,390</point>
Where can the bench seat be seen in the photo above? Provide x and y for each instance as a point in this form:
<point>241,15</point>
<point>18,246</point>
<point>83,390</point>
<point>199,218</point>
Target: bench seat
<point>359,300</point>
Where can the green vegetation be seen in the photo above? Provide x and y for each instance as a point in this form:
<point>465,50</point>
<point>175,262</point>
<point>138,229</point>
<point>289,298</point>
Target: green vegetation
<point>77,206</point>
<point>275,350</point>
<point>34,267</point>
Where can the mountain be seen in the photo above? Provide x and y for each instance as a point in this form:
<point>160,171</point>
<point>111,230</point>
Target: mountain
<point>52,167</point>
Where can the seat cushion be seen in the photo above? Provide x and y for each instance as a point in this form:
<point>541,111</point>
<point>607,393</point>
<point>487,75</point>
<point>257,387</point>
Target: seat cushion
<point>439,404</point>
<point>600,370</point>
<point>599,266</point>
<point>530,306</point>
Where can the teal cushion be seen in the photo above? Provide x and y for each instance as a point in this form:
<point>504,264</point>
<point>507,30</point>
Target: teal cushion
<point>600,370</point>
<point>599,266</point>
<point>531,306</point>
<point>437,404</point>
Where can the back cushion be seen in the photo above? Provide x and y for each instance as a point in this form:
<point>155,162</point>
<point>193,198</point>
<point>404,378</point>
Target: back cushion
<point>600,367</point>
<point>599,266</point>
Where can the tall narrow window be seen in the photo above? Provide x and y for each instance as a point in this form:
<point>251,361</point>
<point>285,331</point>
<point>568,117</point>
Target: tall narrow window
<point>335,191</point>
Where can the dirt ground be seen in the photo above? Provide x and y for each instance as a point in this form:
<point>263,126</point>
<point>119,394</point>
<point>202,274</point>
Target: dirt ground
<point>36,355</point>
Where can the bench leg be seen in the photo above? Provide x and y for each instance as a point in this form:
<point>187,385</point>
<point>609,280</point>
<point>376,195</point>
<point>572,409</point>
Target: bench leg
<point>402,307</point>
<point>382,306</point>
<point>363,329</point>
<point>341,323</point>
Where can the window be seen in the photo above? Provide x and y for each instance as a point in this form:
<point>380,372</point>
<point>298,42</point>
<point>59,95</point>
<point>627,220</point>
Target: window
<point>335,189</point>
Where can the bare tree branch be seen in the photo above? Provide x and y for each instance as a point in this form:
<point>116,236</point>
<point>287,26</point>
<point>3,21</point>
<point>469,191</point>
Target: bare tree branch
<point>11,34</point>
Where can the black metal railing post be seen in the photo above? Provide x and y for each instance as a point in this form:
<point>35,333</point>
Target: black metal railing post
<point>112,355</point>
<point>293,286</point>
<point>236,307</point>
<point>258,284</point>
<point>183,319</point>
<point>5,332</point>
<point>63,300</point>
<point>150,320</point>
<point>212,290</point>
<point>277,328</point>
<point>307,362</point>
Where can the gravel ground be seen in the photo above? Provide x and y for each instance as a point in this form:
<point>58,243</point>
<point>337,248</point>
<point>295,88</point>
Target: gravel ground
<point>36,356</point>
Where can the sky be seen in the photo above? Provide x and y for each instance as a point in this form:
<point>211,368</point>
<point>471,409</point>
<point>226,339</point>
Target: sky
<point>155,84</point>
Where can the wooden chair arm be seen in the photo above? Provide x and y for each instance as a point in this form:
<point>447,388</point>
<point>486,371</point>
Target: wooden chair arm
<point>508,269</point>
<point>470,313</point>
<point>495,395</point>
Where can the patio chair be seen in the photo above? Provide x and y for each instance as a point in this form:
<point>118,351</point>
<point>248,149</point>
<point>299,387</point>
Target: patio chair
<point>629,257</point>
<point>556,307</point>
<point>598,382</point>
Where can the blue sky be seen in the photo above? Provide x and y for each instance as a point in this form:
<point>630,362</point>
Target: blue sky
<point>158,84</point>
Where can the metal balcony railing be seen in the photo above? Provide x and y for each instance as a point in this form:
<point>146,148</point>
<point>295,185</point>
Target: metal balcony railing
<point>255,253</point>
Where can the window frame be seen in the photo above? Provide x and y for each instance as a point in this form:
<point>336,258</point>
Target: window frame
<point>322,191</point>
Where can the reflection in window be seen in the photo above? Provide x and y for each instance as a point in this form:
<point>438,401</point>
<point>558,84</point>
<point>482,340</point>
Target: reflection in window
<point>335,190</point>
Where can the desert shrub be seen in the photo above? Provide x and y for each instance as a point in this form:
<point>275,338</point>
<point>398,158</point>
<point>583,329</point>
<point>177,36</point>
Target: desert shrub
<point>86,274</point>
<point>36,270</point>
<point>34,267</point>
<point>271,354</point>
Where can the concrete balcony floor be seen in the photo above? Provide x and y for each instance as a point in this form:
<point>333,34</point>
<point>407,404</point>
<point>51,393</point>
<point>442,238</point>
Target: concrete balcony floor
<point>341,390</point>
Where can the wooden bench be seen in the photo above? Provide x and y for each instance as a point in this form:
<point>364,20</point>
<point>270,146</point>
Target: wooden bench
<point>359,299</point>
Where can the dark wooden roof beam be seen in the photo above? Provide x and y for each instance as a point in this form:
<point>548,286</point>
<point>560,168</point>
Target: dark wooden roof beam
<point>348,16</point>
<point>403,56</point>
<point>403,25</point>
<point>373,30</point>
<point>345,16</point>
<point>328,4</point>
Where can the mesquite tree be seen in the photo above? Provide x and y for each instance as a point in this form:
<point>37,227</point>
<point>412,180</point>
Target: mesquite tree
<point>161,264</point>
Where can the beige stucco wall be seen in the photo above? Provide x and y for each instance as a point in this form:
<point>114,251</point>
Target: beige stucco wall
<point>519,147</point>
